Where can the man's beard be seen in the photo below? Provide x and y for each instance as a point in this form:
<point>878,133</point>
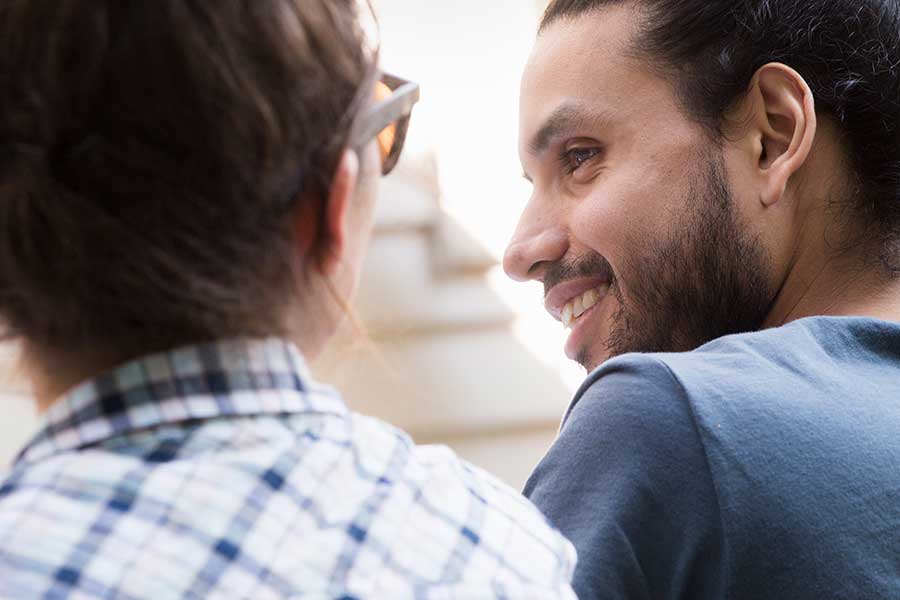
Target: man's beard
<point>709,279</point>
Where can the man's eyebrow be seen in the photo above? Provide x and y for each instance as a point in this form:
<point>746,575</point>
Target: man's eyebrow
<point>565,119</point>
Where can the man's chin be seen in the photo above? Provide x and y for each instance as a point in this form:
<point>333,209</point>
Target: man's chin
<point>591,359</point>
<point>589,342</point>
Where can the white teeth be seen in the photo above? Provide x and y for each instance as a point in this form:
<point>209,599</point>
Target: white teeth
<point>578,306</point>
<point>567,315</point>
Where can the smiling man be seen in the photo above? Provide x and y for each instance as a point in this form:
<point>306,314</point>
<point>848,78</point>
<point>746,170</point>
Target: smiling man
<point>716,217</point>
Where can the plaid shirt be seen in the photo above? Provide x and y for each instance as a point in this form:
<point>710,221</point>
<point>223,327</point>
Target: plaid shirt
<point>225,471</point>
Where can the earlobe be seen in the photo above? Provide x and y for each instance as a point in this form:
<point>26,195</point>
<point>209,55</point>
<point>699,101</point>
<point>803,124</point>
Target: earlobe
<point>786,123</point>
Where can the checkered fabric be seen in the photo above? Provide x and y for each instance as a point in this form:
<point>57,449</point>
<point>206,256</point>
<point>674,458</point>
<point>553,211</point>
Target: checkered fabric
<point>225,471</point>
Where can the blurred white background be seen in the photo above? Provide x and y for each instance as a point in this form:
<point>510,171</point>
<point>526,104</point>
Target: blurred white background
<point>468,56</point>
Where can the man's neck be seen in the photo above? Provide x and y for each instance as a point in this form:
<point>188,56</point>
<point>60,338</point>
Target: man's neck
<point>836,287</point>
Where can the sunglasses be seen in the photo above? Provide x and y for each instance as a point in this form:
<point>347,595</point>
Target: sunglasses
<point>387,120</point>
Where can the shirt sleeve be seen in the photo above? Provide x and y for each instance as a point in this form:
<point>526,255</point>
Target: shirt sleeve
<point>629,484</point>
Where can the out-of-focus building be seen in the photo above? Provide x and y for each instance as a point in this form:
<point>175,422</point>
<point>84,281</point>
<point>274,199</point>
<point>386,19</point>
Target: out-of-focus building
<point>452,353</point>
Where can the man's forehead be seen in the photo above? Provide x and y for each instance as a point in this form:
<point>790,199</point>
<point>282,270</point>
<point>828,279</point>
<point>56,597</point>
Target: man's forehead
<point>578,61</point>
<point>608,33</point>
<point>585,71</point>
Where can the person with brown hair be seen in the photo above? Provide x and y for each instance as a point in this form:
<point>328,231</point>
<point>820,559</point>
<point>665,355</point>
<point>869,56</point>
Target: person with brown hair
<point>186,192</point>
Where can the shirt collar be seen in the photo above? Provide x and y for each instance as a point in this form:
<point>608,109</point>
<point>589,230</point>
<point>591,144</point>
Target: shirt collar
<point>218,379</point>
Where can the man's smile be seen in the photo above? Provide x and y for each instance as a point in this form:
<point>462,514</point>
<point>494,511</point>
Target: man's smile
<point>568,301</point>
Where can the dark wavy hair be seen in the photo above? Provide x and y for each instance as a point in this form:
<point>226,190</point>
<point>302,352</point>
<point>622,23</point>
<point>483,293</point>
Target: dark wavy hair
<point>848,51</point>
<point>150,152</point>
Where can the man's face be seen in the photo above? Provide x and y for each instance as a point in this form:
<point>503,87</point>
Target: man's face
<point>633,226</point>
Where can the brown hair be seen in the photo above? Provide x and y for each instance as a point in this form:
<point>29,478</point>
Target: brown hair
<point>150,152</point>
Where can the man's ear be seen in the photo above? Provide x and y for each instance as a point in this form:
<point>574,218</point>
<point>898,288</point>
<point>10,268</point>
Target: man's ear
<point>783,125</point>
<point>322,235</point>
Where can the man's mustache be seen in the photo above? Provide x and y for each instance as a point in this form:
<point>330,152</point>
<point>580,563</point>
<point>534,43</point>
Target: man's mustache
<point>591,264</point>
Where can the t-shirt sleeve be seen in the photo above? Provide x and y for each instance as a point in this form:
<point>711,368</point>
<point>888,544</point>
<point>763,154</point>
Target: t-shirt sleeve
<point>628,483</point>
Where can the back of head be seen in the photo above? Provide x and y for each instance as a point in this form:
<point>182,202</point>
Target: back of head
<point>149,155</point>
<point>848,51</point>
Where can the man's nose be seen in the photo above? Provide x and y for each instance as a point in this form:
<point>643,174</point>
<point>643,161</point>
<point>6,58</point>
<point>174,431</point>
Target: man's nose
<point>538,242</point>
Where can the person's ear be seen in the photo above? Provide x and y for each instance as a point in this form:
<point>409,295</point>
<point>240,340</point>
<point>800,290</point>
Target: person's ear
<point>322,229</point>
<point>783,123</point>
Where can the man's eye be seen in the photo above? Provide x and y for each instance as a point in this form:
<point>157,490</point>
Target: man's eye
<point>574,158</point>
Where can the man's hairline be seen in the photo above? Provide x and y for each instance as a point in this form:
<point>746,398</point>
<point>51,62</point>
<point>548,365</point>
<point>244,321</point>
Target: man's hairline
<point>637,51</point>
<point>573,16</point>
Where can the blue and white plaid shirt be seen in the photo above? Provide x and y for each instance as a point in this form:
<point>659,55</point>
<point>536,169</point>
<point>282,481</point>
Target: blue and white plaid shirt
<point>225,471</point>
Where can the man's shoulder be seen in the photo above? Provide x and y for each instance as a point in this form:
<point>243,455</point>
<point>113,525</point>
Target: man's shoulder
<point>643,385</point>
<point>796,350</point>
<point>724,455</point>
<point>733,392</point>
<point>762,365</point>
<point>628,482</point>
<point>637,476</point>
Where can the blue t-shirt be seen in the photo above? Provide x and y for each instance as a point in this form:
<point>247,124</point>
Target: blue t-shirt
<point>764,465</point>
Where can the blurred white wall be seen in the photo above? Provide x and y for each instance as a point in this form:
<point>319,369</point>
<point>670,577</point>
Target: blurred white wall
<point>441,359</point>
<point>468,56</point>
